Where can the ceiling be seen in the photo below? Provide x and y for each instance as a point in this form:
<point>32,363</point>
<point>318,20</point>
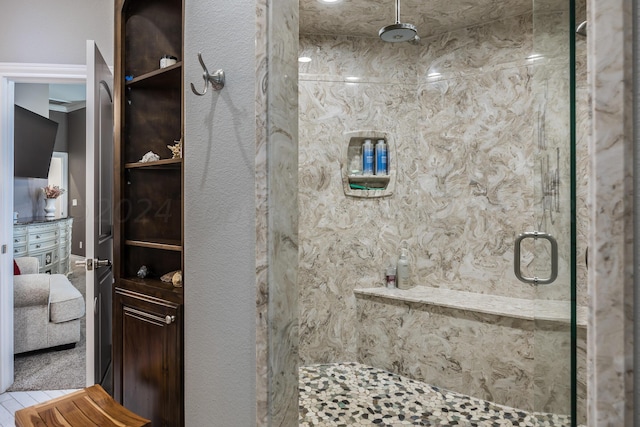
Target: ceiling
<point>67,97</point>
<point>363,18</point>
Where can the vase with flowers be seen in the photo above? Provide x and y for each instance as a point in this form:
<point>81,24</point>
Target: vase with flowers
<point>51,193</point>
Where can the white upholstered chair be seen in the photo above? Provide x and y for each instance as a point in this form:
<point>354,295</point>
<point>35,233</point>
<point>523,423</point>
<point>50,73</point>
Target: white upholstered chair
<point>47,309</point>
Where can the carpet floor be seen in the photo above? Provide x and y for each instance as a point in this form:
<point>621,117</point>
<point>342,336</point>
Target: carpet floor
<point>55,369</point>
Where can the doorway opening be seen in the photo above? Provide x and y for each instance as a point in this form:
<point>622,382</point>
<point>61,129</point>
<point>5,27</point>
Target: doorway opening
<point>10,76</point>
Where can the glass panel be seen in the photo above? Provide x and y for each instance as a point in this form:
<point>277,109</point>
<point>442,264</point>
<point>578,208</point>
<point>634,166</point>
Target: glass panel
<point>552,69</point>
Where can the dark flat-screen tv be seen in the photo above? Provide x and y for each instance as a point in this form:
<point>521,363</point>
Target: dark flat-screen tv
<point>33,141</point>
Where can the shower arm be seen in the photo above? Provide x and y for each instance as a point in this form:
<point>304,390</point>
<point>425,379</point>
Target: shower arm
<point>397,11</point>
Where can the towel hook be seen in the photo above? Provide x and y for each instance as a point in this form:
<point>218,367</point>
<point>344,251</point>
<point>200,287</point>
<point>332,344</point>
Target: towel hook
<point>216,79</point>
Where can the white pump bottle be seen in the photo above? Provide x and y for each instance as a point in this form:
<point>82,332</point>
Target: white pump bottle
<point>403,271</point>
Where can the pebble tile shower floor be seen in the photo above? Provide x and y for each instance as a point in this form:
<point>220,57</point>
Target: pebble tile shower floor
<point>351,394</point>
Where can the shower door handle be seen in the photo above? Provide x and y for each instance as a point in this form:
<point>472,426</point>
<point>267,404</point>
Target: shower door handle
<point>554,257</point>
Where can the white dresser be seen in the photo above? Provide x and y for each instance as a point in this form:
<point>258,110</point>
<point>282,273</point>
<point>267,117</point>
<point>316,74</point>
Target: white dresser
<point>47,240</point>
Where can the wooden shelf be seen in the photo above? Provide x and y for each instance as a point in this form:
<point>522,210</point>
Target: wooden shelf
<point>164,163</point>
<point>152,287</point>
<point>162,77</point>
<point>169,245</point>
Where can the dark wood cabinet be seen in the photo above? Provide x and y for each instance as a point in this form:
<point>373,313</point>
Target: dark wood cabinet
<point>149,356</point>
<point>148,349</point>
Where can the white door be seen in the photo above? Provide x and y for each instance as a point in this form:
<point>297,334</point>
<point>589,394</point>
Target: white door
<point>99,223</point>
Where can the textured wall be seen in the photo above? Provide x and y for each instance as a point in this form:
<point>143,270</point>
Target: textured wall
<point>220,217</point>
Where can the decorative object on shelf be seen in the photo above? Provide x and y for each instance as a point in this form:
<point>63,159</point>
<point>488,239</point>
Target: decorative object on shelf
<point>50,208</point>
<point>51,193</point>
<point>177,279</point>
<point>174,277</point>
<point>216,79</point>
<point>143,272</point>
<point>167,60</point>
<point>150,157</point>
<point>168,276</point>
<point>176,149</point>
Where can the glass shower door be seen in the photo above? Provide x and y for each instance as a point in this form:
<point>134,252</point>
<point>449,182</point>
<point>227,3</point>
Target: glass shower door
<point>545,253</point>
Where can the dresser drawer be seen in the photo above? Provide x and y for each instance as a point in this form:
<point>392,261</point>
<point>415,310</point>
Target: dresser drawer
<point>17,240</point>
<point>19,250</point>
<point>42,235</point>
<point>43,246</point>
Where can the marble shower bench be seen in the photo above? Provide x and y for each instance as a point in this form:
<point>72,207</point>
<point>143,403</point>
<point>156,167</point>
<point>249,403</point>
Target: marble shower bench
<point>518,308</point>
<point>511,351</point>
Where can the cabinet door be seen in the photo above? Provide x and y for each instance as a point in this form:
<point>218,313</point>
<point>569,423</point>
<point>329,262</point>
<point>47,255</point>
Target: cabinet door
<point>148,357</point>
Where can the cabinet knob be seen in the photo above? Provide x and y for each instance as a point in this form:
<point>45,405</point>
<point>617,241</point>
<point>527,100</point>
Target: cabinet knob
<point>38,245</point>
<point>169,319</point>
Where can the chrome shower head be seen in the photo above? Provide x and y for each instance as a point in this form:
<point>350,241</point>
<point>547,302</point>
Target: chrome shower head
<point>395,33</point>
<point>398,32</point>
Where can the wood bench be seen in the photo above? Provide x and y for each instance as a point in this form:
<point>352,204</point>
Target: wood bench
<point>88,407</point>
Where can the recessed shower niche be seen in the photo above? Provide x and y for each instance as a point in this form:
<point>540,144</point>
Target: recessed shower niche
<point>357,183</point>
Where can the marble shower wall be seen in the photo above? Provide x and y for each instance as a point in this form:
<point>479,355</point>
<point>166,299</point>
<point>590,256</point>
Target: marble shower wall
<point>276,166</point>
<point>611,283</point>
<point>461,109</point>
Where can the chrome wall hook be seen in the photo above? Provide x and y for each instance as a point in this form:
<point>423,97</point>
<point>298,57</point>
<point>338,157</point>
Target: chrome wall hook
<point>216,79</point>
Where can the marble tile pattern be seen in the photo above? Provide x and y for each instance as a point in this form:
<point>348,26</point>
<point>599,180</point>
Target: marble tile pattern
<point>262,230</point>
<point>431,17</point>
<point>276,165</point>
<point>611,325</point>
<point>353,394</point>
<point>462,107</point>
<point>433,344</point>
<point>282,181</point>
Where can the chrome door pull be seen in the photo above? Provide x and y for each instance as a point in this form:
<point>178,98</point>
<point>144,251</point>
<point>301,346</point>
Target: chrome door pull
<point>90,264</point>
<point>97,263</point>
<point>554,257</point>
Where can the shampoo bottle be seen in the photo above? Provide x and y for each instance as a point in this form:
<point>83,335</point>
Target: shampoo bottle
<point>403,271</point>
<point>367,157</point>
<point>381,158</point>
<point>391,277</point>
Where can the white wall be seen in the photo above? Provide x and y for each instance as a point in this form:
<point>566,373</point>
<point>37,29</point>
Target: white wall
<point>55,32</point>
<point>33,97</point>
<point>220,276</point>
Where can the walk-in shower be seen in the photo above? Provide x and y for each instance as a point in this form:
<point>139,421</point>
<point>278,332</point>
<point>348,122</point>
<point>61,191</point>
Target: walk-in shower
<point>481,119</point>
